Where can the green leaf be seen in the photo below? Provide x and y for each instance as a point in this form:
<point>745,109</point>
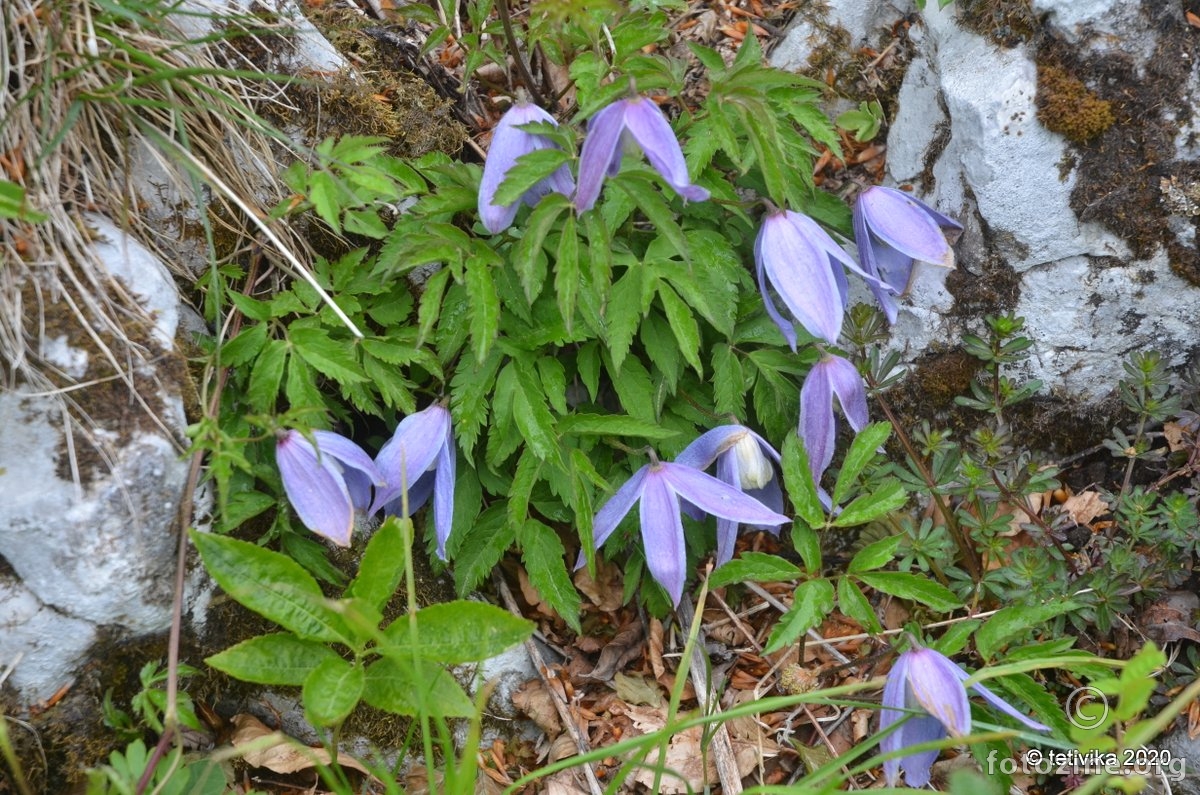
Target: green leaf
<point>754,566</point>
<point>402,688</point>
<point>332,691</point>
<point>914,587</point>
<point>635,389</point>
<point>855,605</point>
<point>525,476</point>
<point>329,357</point>
<point>624,314</point>
<point>528,259</point>
<point>543,553</point>
<point>587,364</point>
<point>431,303</point>
<point>811,602</point>
<point>266,376</point>
<point>651,203</point>
<point>808,546</point>
<point>612,425</point>
<point>797,477</point>
<point>729,385</point>
<point>245,346</point>
<point>684,326</point>
<point>554,382</point>
<point>1016,620</point>
<point>955,638</point>
<point>481,548</point>
<point>861,453</point>
<point>566,271</point>
<point>886,497</point>
<point>660,345</point>
<point>532,415</point>
<point>270,584</point>
<point>1045,706</point>
<point>485,306</point>
<point>278,659</point>
<point>875,555</point>
<point>530,169</point>
<point>469,390</point>
<point>382,565</point>
<point>326,198</point>
<point>456,632</point>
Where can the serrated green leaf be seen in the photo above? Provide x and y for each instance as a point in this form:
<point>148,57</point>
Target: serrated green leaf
<point>530,169</point>
<point>955,638</point>
<point>245,346</point>
<point>528,259</point>
<point>885,498</point>
<point>431,303</point>
<point>652,205</point>
<point>532,415</point>
<point>1045,706</point>
<point>566,271</point>
<point>914,587</point>
<point>797,477</point>
<point>635,389</point>
<point>862,451</point>
<point>662,348</point>
<point>402,688</point>
<point>266,376</point>
<point>554,382</point>
<point>455,632</point>
<point>326,197</point>
<point>729,385</point>
<point>485,307</point>
<point>330,357</point>
<point>382,565</point>
<point>683,325</point>
<point>875,555</point>
<point>613,425</point>
<point>624,314</point>
<point>811,603</point>
<point>808,545</point>
<point>855,605</point>
<point>524,478</point>
<point>270,584</point>
<point>469,390</point>
<point>1013,621</point>
<point>278,659</point>
<point>587,364</point>
<point>332,691</point>
<point>755,567</point>
<point>481,548</point>
<point>543,553</point>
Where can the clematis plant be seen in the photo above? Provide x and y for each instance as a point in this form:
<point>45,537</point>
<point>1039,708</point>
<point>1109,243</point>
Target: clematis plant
<point>893,231</point>
<point>419,460</point>
<point>830,376</point>
<point>743,461</point>
<point>315,479</point>
<point>660,486</point>
<point>927,681</point>
<point>510,142</point>
<point>800,261</point>
<point>641,120</point>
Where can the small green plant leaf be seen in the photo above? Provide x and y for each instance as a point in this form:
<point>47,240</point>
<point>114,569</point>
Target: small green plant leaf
<point>456,632</point>
<point>797,476</point>
<point>400,687</point>
<point>382,565</point>
<point>862,450</point>
<point>277,659</point>
<point>875,555</point>
<point>613,425</point>
<point>808,546</point>
<point>887,497</point>
<point>854,603</point>
<point>1012,621</point>
<point>485,306</point>
<point>332,691</point>
<point>542,552</point>
<point>812,601</point>
<point>914,587</point>
<point>756,567</point>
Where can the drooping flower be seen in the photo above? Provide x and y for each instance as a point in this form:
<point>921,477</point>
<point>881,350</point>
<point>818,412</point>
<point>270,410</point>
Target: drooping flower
<point>893,231</point>
<point>743,461</point>
<point>800,260</point>
<point>830,376</point>
<point>641,119</point>
<point>419,459</point>
<point>509,142</point>
<point>926,680</point>
<point>316,480</point>
<point>660,486</point>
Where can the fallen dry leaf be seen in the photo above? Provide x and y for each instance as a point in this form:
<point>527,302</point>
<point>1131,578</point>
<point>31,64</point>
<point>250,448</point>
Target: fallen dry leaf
<point>1085,506</point>
<point>605,590</point>
<point>1192,19</point>
<point>283,754</point>
<point>654,648</point>
<point>624,646</point>
<point>535,700</point>
<point>637,690</point>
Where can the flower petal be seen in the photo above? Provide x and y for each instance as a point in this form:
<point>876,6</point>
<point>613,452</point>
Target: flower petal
<point>701,453</point>
<point>799,270</point>
<point>916,730</point>
<point>817,428</point>
<point>662,532</point>
<point>727,472</point>
<point>411,451</point>
<point>315,488</point>
<point>650,128</point>
<point>600,149</point>
<point>348,453</point>
<point>443,494</point>
<point>869,253</point>
<point>893,704</point>
<point>714,497</point>
<point>770,495</point>
<point>418,494</point>
<point>850,390</point>
<point>936,684</point>
<point>902,223</point>
<point>508,143</point>
<point>613,511</point>
<point>786,327</point>
<point>1006,708</point>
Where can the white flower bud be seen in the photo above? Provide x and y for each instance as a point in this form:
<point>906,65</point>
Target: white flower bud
<point>755,470</point>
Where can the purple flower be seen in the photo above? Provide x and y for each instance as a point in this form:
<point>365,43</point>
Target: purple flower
<point>420,459</point>
<point>927,681</point>
<point>509,142</point>
<point>316,480</point>
<point>660,486</point>
<point>800,260</point>
<point>832,375</point>
<point>893,230</point>
<point>742,462</point>
<point>642,120</point>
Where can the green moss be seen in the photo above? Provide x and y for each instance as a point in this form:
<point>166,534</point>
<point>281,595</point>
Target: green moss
<point>1006,23</point>
<point>1066,106</point>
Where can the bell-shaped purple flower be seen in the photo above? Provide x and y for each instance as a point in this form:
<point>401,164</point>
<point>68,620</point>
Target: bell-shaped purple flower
<point>316,480</point>
<point>420,459</point>
<point>893,231</point>
<point>641,119</point>
<point>509,142</point>
<point>800,260</point>
<point>832,375</point>
<point>927,681</point>
<point>743,461</point>
<point>660,486</point>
